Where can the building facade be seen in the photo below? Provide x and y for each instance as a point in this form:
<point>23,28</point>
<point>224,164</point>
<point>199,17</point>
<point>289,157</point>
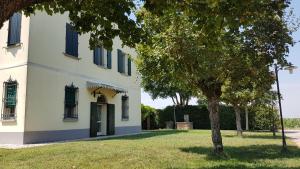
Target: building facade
<point>54,87</point>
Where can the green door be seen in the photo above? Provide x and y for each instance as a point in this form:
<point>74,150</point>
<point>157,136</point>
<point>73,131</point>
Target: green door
<point>93,121</point>
<point>110,119</point>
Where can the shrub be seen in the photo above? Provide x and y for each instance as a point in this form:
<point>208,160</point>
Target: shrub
<point>292,123</point>
<point>199,115</point>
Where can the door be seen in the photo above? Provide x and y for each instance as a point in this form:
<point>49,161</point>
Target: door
<point>110,119</point>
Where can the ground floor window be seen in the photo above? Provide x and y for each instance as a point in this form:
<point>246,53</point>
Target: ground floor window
<point>71,102</point>
<point>125,108</point>
<point>9,100</point>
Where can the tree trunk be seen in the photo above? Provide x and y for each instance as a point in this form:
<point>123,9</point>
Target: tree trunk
<point>9,7</point>
<point>238,121</point>
<point>247,118</point>
<point>213,107</point>
<point>148,123</point>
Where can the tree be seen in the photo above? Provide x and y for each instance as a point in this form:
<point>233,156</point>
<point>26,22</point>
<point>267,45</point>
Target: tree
<point>104,19</point>
<point>163,86</point>
<point>200,42</point>
<point>253,84</point>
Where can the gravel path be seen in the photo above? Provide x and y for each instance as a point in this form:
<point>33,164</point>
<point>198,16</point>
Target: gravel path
<point>294,135</point>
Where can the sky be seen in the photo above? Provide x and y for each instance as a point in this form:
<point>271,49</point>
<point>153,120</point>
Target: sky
<point>289,83</point>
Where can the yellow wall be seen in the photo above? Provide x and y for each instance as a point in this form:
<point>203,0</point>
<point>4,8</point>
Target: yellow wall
<point>13,63</point>
<point>49,71</point>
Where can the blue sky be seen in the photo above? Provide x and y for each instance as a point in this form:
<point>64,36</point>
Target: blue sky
<point>289,83</point>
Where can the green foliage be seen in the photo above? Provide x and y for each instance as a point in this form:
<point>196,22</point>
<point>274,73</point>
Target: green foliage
<point>152,114</point>
<point>264,117</point>
<point>292,123</point>
<point>199,115</point>
<point>104,19</point>
<point>147,111</point>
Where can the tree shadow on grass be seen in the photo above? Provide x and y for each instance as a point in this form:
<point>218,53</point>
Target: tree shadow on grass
<point>246,153</point>
<point>255,136</point>
<point>153,133</point>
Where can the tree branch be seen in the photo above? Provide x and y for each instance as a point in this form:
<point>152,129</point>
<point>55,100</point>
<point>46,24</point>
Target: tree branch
<point>9,7</point>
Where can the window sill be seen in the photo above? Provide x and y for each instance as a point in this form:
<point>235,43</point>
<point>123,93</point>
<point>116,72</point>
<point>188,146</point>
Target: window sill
<point>125,74</point>
<point>102,66</point>
<point>8,120</point>
<point>125,119</point>
<point>69,119</point>
<point>71,56</point>
<point>13,46</point>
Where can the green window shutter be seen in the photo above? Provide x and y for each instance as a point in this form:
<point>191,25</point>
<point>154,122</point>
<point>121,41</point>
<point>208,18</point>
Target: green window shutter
<point>70,96</point>
<point>120,55</point>
<point>109,59</point>
<point>11,93</point>
<point>129,67</point>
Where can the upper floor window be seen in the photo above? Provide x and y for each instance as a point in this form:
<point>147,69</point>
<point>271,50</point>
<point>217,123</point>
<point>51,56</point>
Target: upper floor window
<point>71,102</point>
<point>71,41</point>
<point>125,108</point>
<point>124,63</point>
<point>14,29</point>
<point>102,57</point>
<point>9,100</point>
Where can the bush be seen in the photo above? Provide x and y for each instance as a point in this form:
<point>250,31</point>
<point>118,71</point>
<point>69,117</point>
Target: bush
<point>292,123</point>
<point>149,118</point>
<point>263,117</point>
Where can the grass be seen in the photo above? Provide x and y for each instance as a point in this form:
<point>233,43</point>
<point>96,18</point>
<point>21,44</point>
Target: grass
<point>160,149</point>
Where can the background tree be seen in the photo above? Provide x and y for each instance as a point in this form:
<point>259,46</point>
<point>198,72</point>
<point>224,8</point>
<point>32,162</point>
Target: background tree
<point>253,84</point>
<point>200,42</point>
<point>164,86</point>
<point>104,19</point>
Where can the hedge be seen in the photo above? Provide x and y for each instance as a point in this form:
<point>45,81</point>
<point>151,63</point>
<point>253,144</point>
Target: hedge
<point>199,115</point>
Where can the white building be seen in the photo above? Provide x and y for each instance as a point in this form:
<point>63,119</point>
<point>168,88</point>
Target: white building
<point>55,88</point>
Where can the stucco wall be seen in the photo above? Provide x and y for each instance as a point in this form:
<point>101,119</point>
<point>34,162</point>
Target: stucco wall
<point>49,71</point>
<point>13,63</point>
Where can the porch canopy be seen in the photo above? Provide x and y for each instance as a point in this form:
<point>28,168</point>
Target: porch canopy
<point>100,85</point>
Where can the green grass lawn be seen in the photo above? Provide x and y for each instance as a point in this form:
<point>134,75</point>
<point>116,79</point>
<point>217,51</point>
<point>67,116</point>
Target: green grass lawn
<point>161,149</point>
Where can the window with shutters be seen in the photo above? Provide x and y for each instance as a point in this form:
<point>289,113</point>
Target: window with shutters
<point>9,100</point>
<point>125,107</point>
<point>124,63</point>
<point>102,57</point>
<point>71,41</point>
<point>14,29</point>
<point>71,102</point>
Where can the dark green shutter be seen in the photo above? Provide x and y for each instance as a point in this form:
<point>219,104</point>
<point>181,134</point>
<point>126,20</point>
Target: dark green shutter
<point>120,58</point>
<point>129,66</point>
<point>14,30</point>
<point>11,91</point>
<point>109,59</point>
<point>93,120</point>
<point>70,96</point>
<point>110,119</point>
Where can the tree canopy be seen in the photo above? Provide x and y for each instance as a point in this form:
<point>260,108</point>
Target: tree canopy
<point>104,19</point>
<point>206,43</point>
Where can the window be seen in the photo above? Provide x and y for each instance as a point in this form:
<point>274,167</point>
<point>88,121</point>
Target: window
<point>14,29</point>
<point>71,41</point>
<point>124,65</point>
<point>9,100</point>
<point>71,102</point>
<point>100,59</point>
<point>125,108</point>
